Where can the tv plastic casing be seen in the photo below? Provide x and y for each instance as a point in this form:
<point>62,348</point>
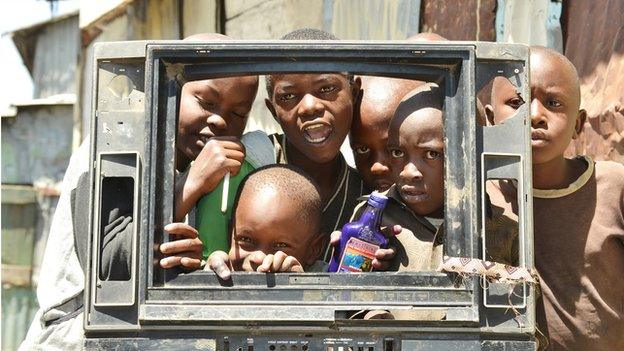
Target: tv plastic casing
<point>135,96</point>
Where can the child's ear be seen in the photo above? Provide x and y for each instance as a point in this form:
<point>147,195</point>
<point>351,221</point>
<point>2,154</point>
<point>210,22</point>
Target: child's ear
<point>580,122</point>
<point>489,114</point>
<point>271,108</point>
<point>316,246</point>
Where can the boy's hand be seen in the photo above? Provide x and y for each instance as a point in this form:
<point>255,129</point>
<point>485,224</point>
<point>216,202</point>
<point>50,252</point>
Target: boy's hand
<point>219,156</point>
<point>279,262</point>
<point>219,262</point>
<point>383,257</point>
<point>185,250</point>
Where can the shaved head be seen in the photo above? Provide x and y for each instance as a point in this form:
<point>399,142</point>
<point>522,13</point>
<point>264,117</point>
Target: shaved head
<point>427,95</point>
<point>207,37</point>
<point>427,36</point>
<point>288,182</point>
<point>545,58</point>
<point>381,96</point>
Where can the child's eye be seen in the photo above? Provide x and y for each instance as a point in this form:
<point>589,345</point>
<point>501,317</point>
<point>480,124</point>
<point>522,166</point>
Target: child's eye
<point>281,245</point>
<point>397,153</point>
<point>361,150</point>
<point>286,97</point>
<point>244,239</point>
<point>554,103</point>
<point>515,102</point>
<point>238,115</point>
<point>205,105</point>
<point>432,155</point>
<point>328,89</point>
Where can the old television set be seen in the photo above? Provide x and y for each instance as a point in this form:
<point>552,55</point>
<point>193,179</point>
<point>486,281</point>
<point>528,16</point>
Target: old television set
<point>135,97</point>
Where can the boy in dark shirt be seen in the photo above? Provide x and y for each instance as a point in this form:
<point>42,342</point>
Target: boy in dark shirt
<point>315,112</point>
<point>578,212</point>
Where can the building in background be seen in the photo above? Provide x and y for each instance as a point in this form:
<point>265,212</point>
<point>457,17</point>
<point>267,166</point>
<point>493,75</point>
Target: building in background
<point>38,136</point>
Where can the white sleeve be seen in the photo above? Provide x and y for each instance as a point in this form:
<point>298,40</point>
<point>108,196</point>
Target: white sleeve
<point>61,277</point>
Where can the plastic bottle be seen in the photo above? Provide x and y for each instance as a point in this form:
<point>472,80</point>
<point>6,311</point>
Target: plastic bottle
<point>360,239</point>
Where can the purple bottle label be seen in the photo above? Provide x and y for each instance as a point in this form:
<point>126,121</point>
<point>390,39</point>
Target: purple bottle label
<point>357,256</point>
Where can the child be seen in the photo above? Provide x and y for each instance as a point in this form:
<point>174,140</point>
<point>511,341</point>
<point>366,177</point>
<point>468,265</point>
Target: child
<point>578,212</point>
<point>212,117</point>
<point>275,226</point>
<point>315,112</point>
<point>369,130</point>
<point>416,146</point>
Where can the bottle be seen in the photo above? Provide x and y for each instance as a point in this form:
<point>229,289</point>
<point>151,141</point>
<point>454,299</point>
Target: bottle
<point>212,223</point>
<point>360,239</point>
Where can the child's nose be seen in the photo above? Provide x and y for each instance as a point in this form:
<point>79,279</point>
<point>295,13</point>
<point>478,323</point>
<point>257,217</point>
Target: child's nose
<point>410,172</point>
<point>537,113</point>
<point>217,121</point>
<point>310,106</point>
<point>379,168</point>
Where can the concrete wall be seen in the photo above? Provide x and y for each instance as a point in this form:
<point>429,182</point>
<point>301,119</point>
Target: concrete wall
<point>36,144</point>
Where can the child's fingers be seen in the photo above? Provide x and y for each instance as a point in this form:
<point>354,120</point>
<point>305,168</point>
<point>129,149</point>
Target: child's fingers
<point>187,260</point>
<point>291,265</point>
<point>190,263</point>
<point>181,229</point>
<point>267,263</point>
<point>252,261</point>
<point>235,155</point>
<point>278,259</point>
<point>183,245</point>
<point>396,229</point>
<point>170,262</point>
<point>233,166</point>
<point>380,265</point>
<point>334,238</point>
<point>385,254</point>
<point>218,263</point>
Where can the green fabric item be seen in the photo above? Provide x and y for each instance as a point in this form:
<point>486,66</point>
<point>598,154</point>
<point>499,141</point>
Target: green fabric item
<point>211,223</point>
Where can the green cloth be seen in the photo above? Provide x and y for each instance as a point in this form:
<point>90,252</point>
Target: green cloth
<point>211,223</point>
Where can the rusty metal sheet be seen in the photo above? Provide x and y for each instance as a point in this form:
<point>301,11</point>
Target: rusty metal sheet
<point>460,20</point>
<point>595,44</point>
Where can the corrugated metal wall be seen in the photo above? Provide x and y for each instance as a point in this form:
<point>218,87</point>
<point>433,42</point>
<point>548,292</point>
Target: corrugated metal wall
<point>594,42</point>
<point>372,19</point>
<point>460,20</point>
<point>56,55</point>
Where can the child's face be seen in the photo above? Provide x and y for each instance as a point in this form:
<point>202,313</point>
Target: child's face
<point>269,222</point>
<point>417,148</point>
<point>314,111</point>
<point>369,131</point>
<point>555,114</point>
<point>369,143</point>
<point>213,107</point>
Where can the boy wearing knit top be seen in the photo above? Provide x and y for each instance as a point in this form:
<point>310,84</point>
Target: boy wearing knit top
<point>578,207</point>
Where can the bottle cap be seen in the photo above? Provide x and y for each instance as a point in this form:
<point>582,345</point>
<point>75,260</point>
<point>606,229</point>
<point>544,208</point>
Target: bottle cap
<point>378,200</point>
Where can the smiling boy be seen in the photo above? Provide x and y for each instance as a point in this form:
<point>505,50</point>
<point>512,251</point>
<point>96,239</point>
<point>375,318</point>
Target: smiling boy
<point>315,112</point>
<point>578,212</point>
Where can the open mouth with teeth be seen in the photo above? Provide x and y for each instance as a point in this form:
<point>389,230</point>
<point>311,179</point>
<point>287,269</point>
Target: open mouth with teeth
<point>317,133</point>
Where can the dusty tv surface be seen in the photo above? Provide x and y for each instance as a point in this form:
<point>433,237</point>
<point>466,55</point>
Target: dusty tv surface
<point>136,91</point>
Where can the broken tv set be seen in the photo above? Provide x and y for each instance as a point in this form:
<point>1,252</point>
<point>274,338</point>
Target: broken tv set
<point>135,101</point>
